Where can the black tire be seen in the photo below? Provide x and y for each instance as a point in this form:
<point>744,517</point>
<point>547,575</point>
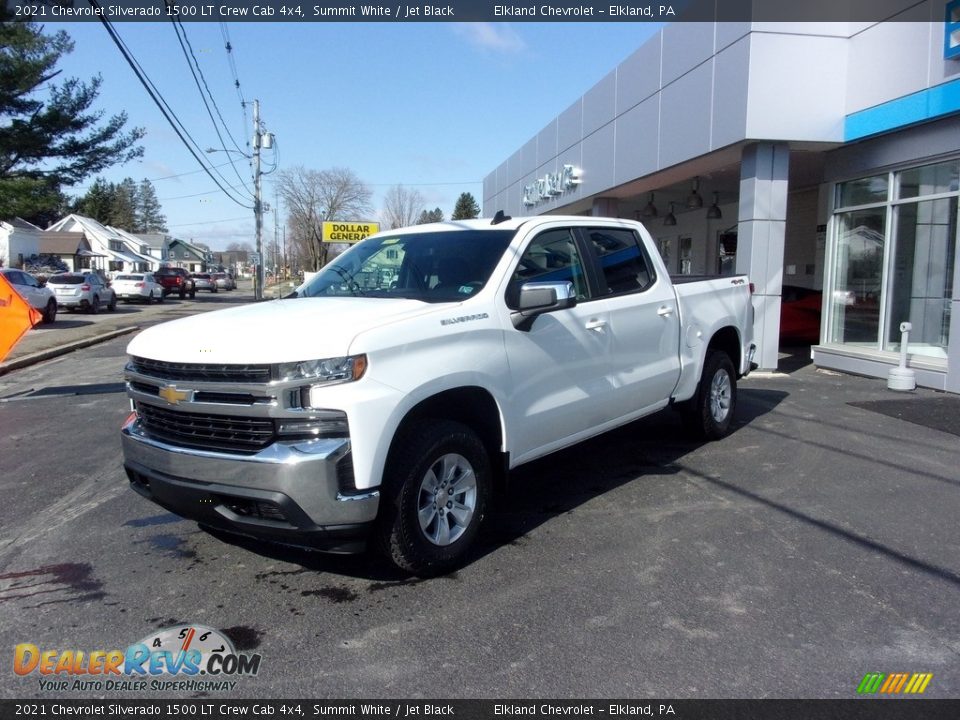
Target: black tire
<point>113,303</point>
<point>193,294</point>
<point>420,529</point>
<point>94,307</point>
<point>50,314</point>
<point>183,293</point>
<point>213,290</point>
<point>709,414</point>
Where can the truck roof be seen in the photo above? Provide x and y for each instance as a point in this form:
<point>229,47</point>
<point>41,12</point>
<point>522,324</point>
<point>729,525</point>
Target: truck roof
<point>511,223</point>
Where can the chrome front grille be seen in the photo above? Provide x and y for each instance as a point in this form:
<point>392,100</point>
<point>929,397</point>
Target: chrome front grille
<point>201,372</point>
<point>226,433</point>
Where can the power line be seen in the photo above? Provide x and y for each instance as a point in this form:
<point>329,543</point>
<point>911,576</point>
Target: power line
<point>157,179</point>
<point>208,222</point>
<point>181,33</point>
<point>225,34</point>
<point>167,112</point>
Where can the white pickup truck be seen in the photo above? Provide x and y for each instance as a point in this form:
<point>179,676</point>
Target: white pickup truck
<point>389,397</point>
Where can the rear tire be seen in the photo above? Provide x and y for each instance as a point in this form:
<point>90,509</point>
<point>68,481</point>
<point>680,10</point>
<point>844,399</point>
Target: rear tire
<point>436,489</point>
<point>50,314</point>
<point>113,304</point>
<point>708,415</point>
<point>94,307</point>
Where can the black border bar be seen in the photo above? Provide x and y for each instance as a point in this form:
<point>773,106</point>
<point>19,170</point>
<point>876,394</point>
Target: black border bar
<point>387,11</point>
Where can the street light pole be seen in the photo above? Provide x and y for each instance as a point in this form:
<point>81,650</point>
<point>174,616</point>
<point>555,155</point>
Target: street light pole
<point>257,201</point>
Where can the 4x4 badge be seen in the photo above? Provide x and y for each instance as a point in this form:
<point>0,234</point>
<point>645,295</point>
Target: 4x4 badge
<point>172,395</point>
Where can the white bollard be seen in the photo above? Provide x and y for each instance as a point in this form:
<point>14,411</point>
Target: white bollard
<point>902,378</point>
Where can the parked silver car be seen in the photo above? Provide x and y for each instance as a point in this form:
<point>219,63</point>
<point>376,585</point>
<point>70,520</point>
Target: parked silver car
<point>204,281</point>
<point>85,290</point>
<point>33,291</point>
<point>138,286</point>
<point>225,281</point>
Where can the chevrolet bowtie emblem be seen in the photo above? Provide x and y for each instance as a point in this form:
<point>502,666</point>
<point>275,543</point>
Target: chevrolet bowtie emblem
<point>172,395</point>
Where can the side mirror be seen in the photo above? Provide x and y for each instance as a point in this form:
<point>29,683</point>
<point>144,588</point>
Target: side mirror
<point>537,298</point>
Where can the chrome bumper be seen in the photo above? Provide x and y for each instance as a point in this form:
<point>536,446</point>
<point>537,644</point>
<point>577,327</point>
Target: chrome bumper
<point>290,492</point>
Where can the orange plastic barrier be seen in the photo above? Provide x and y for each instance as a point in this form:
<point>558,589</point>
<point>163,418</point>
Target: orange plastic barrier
<point>16,317</point>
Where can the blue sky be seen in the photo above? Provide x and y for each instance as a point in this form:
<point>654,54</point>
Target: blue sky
<point>434,106</point>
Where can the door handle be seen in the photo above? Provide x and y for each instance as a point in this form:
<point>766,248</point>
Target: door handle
<point>664,311</point>
<point>598,325</point>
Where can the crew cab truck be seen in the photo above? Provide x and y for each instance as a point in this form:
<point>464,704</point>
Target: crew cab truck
<point>387,399</point>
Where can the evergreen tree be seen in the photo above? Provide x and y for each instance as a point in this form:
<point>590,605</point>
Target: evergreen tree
<point>49,136</point>
<point>150,217</point>
<point>466,207</point>
<point>123,210</point>
<point>431,216</point>
<point>98,202</point>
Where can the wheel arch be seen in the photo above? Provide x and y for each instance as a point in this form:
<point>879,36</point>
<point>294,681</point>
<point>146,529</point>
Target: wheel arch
<point>727,340</point>
<point>472,406</point>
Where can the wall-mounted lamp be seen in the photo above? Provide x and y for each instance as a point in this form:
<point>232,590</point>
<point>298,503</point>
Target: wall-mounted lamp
<point>694,200</point>
<point>713,212</point>
<point>670,219</point>
<point>650,210</point>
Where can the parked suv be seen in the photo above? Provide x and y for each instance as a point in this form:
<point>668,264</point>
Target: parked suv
<point>38,295</point>
<point>85,290</point>
<point>205,281</point>
<point>176,280</point>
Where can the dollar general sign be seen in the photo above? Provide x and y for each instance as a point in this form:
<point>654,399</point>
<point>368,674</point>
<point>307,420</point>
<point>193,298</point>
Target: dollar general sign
<point>348,232</point>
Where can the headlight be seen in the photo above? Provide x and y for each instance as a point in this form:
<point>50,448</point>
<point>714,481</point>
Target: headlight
<point>326,372</point>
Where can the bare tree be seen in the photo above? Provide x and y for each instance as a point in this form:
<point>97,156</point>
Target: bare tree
<point>402,206</point>
<point>312,196</point>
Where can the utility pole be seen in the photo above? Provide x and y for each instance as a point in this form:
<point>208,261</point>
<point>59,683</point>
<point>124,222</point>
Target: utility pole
<point>257,202</point>
<point>277,271</point>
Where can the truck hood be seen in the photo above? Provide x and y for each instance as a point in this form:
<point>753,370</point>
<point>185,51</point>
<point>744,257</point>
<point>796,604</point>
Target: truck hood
<point>273,332</point>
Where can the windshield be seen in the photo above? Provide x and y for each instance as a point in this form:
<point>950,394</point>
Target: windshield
<point>432,266</point>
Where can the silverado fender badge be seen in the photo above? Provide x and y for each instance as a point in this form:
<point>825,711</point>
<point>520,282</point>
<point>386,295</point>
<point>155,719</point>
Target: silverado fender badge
<point>464,318</point>
<point>174,396</point>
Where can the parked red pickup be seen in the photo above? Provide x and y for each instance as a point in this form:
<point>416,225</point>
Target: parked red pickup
<point>176,280</point>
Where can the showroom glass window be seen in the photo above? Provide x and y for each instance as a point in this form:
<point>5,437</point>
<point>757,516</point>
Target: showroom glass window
<point>895,241</point>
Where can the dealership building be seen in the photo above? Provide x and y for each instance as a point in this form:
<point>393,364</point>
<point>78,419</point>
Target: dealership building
<point>821,159</point>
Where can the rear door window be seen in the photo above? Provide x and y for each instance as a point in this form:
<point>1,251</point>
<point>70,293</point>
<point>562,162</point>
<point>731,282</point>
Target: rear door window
<point>622,261</point>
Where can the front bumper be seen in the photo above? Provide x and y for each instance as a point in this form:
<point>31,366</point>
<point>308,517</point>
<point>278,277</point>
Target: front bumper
<point>290,492</point>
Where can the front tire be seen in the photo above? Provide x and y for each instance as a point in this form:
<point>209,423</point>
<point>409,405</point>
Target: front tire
<point>436,489</point>
<point>709,414</point>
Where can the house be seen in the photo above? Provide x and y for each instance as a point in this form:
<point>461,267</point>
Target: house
<point>182,254</point>
<point>140,248</point>
<point>113,250</point>
<point>18,241</point>
<point>69,248</point>
<point>156,244</point>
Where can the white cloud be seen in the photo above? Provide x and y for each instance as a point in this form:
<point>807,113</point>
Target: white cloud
<point>496,37</point>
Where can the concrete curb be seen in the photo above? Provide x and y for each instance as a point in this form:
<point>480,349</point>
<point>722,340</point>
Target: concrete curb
<point>42,355</point>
